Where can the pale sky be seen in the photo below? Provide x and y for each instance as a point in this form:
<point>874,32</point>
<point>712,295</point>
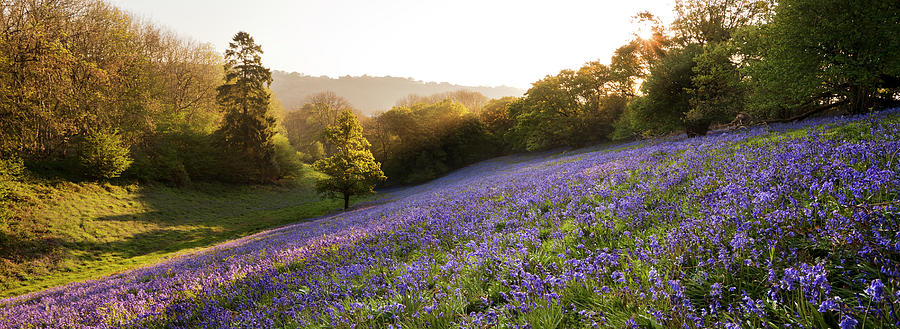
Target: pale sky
<point>468,42</point>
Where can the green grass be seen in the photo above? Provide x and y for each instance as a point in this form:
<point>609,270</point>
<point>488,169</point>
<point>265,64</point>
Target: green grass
<point>66,232</point>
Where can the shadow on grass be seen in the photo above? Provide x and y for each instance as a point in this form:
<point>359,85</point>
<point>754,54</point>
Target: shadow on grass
<point>153,241</point>
<point>18,248</point>
<point>89,231</point>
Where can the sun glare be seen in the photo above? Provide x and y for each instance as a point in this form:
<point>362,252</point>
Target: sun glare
<point>644,32</point>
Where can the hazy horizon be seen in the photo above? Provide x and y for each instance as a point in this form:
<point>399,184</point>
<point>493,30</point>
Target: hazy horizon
<point>364,75</point>
<point>496,43</point>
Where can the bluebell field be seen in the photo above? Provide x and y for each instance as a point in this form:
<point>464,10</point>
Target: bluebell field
<point>784,226</point>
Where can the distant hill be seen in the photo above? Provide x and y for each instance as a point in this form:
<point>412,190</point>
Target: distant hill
<point>367,94</point>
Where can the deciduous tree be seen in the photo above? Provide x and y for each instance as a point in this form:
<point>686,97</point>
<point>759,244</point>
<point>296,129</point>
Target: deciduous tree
<point>824,53</point>
<point>305,126</point>
<point>352,169</point>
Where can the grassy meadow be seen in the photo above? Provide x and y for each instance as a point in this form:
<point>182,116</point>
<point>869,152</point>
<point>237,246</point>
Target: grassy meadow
<point>66,232</point>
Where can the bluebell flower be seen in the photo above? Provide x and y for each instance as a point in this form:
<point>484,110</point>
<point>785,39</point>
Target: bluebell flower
<point>715,290</point>
<point>875,290</point>
<point>848,323</point>
<point>828,305</point>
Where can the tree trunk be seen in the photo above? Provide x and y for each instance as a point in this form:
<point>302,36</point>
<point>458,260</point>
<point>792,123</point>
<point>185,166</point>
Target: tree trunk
<point>696,127</point>
<point>860,99</point>
<point>346,201</point>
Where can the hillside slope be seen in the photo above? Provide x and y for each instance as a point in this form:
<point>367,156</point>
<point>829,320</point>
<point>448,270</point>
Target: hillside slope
<point>793,226</point>
<point>70,232</point>
<point>367,94</point>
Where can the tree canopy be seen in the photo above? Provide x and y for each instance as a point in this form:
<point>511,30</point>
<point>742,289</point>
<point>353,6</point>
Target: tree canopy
<point>70,68</point>
<point>426,140</point>
<point>824,53</point>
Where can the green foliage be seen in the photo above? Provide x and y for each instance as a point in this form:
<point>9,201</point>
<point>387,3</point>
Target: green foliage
<point>708,22</point>
<point>548,116</point>
<point>625,127</point>
<point>665,102</point>
<point>286,156</point>
<point>314,153</point>
<point>70,67</point>
<point>495,115</point>
<point>821,52</point>
<point>352,169</point>
<point>248,128</point>
<point>717,93</point>
<point>425,141</point>
<point>574,108</point>
<point>178,156</point>
<point>103,155</point>
<point>468,143</point>
<point>160,165</point>
<point>10,171</point>
<point>694,81</point>
<point>495,118</point>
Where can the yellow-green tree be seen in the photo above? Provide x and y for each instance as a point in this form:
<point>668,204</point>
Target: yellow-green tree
<point>352,169</point>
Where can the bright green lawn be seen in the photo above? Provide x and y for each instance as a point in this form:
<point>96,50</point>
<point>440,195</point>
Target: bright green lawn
<point>69,232</point>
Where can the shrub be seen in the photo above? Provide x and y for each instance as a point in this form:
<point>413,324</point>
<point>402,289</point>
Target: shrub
<point>286,156</point>
<point>103,155</point>
<point>314,152</point>
<point>160,165</point>
<point>201,158</point>
<point>178,157</point>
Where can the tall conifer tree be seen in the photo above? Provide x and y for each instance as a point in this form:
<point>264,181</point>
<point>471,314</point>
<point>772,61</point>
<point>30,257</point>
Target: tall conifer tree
<point>247,130</point>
